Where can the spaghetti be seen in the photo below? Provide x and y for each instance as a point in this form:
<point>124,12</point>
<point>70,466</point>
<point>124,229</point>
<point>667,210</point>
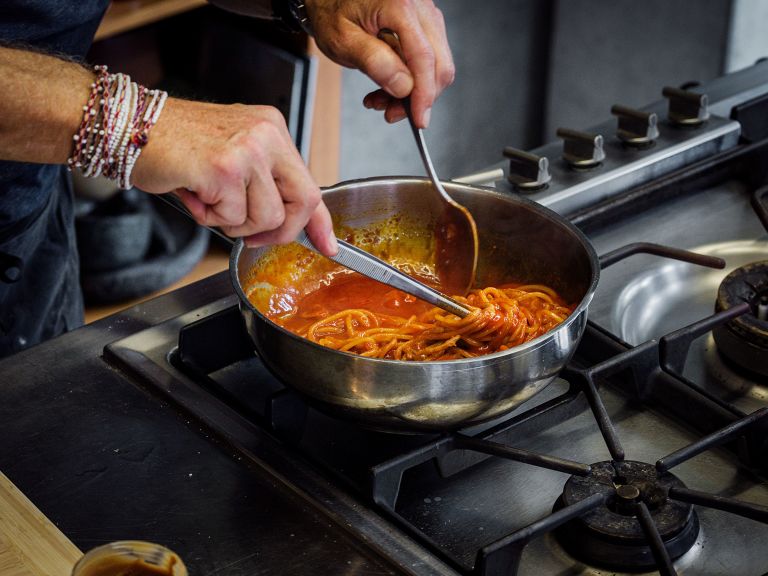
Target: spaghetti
<point>397,326</point>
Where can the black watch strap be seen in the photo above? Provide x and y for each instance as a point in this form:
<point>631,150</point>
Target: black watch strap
<point>292,14</point>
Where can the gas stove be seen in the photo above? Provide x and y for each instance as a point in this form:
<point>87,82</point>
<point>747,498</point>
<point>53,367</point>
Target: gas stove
<point>647,455</point>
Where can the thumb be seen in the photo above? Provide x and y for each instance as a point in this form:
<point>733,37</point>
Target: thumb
<point>380,63</point>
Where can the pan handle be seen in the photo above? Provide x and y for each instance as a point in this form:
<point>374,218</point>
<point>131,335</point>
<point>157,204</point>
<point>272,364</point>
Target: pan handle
<point>485,178</point>
<point>172,200</point>
<point>659,250</point>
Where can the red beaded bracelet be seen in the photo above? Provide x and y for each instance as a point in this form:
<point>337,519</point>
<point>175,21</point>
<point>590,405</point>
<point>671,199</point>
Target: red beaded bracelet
<point>117,119</point>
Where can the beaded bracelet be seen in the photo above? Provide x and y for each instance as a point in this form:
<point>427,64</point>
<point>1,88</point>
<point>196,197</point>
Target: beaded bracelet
<point>117,119</point>
<point>140,137</point>
<point>82,136</point>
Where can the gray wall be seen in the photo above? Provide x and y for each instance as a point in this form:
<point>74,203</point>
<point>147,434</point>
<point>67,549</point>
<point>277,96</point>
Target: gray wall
<point>609,52</point>
<point>748,40</point>
<point>526,67</point>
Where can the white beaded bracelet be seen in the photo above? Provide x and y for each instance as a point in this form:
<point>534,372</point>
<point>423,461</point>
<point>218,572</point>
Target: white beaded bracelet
<point>115,128</point>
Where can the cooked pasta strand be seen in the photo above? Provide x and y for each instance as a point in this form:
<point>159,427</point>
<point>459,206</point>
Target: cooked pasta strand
<point>500,319</point>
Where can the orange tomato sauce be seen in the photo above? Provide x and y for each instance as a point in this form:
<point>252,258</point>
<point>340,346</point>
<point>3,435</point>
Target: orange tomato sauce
<point>346,291</point>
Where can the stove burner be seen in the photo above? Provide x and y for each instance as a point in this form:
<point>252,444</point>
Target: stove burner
<point>611,535</point>
<point>744,340</point>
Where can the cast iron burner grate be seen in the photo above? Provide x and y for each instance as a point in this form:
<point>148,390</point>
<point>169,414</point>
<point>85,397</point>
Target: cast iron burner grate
<point>650,376</point>
<point>744,340</point>
<point>616,534</point>
<point>650,373</point>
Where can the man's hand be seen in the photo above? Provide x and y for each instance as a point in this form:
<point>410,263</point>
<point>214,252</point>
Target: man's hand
<point>346,31</point>
<point>235,167</point>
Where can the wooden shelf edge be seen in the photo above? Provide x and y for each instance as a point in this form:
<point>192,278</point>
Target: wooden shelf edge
<point>325,138</point>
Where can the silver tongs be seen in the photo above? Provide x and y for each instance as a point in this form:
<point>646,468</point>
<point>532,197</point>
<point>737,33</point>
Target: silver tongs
<point>358,260</point>
<point>366,264</point>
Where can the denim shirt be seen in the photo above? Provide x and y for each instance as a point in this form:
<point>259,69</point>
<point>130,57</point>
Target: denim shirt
<point>39,267</point>
<point>53,26</point>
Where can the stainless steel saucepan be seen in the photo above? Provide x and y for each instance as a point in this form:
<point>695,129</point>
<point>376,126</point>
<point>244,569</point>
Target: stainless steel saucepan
<point>520,241</point>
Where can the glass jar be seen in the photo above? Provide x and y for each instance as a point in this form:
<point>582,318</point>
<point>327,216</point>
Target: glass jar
<point>130,558</point>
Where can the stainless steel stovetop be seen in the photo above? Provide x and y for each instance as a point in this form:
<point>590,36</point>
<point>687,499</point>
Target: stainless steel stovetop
<point>452,508</point>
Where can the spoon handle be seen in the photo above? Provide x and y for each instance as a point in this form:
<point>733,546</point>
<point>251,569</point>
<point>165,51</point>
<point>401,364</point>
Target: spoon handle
<point>393,41</point>
<point>421,144</point>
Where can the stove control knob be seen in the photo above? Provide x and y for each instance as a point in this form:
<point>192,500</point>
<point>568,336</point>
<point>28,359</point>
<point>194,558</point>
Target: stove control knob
<point>580,149</point>
<point>686,108</point>
<point>527,171</point>
<point>636,128</point>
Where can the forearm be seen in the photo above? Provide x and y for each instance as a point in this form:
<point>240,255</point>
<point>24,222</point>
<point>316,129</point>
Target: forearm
<point>41,105</point>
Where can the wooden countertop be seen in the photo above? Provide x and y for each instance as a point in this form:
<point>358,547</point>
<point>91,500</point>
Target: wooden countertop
<point>30,544</point>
